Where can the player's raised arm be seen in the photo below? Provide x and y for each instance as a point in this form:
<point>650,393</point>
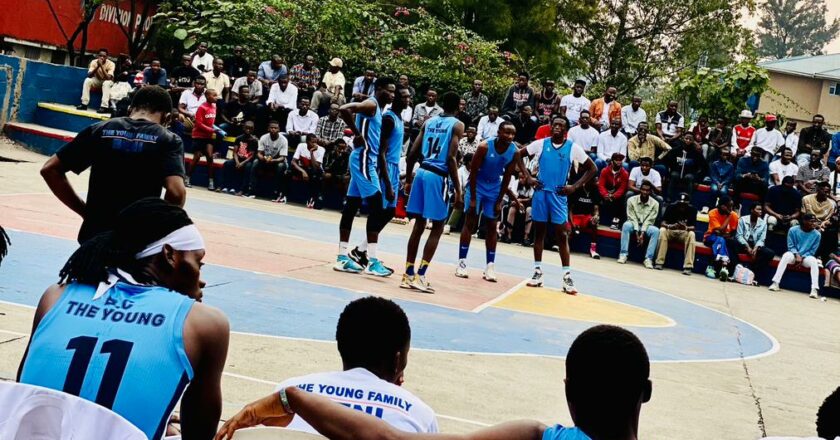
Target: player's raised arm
<point>366,107</point>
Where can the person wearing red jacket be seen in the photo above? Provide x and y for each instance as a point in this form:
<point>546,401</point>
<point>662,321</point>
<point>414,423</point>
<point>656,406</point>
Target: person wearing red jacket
<point>202,134</point>
<point>612,185</point>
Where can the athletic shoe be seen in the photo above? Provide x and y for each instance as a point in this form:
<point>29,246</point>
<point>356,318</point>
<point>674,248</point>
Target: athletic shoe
<point>815,293</point>
<point>658,267</point>
<point>490,273</point>
<point>104,110</point>
<point>723,274</point>
<point>461,270</point>
<point>704,210</point>
<point>406,281</point>
<point>360,257</point>
<point>211,186</point>
<point>648,263</point>
<point>375,268</point>
<point>569,285</point>
<point>710,272</point>
<point>251,196</point>
<point>422,284</point>
<point>447,229</point>
<point>526,242</point>
<point>593,252</point>
<point>187,182</point>
<point>280,199</point>
<point>614,224</point>
<point>537,279</point>
<point>774,287</point>
<point>687,271</point>
<point>81,107</point>
<point>621,259</point>
<point>343,263</point>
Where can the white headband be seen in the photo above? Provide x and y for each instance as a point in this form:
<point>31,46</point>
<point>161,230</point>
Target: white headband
<point>185,239</point>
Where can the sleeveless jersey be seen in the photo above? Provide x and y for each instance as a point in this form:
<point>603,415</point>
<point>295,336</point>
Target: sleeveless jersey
<point>371,127</point>
<point>493,168</point>
<point>555,164</point>
<point>392,156</point>
<point>436,139</point>
<point>124,351</point>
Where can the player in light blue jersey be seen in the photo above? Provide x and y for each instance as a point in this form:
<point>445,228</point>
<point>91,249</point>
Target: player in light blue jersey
<point>435,149</point>
<point>555,156</point>
<point>490,172</point>
<point>367,162</point>
<point>124,328</point>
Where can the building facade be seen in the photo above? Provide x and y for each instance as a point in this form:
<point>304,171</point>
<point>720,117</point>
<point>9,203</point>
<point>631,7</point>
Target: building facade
<point>801,87</point>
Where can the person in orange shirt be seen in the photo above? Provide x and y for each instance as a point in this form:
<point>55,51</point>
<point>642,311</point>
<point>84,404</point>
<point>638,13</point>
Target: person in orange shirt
<point>603,110</point>
<point>720,237</point>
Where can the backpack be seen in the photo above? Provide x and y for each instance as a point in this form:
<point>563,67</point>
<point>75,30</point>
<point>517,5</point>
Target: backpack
<point>743,275</point>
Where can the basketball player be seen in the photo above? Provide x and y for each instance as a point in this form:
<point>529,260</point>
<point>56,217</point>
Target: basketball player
<point>124,328</point>
<point>490,171</point>
<point>366,160</point>
<point>391,139</point>
<point>436,147</point>
<point>4,244</point>
<point>555,156</point>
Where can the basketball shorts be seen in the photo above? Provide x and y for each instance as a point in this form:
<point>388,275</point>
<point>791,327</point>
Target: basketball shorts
<point>364,178</point>
<point>547,206</point>
<point>429,196</point>
<point>484,203</point>
<point>394,176</point>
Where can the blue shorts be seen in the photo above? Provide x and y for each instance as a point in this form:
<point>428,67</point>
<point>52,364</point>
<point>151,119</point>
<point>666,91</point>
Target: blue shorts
<point>547,206</point>
<point>364,178</point>
<point>394,176</point>
<point>484,204</point>
<point>429,196</point>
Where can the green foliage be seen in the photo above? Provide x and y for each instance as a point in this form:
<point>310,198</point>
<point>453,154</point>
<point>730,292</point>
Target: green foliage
<point>363,34</point>
<point>715,92</point>
<point>790,28</point>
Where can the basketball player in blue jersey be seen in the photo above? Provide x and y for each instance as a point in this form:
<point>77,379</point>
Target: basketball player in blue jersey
<point>391,142</point>
<point>490,171</point>
<point>366,162</point>
<point>555,156</point>
<point>435,148</point>
<point>124,327</point>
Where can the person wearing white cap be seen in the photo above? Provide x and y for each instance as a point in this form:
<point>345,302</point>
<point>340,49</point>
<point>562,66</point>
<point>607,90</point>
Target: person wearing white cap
<point>742,134</point>
<point>334,79</point>
<point>768,138</point>
<point>125,327</point>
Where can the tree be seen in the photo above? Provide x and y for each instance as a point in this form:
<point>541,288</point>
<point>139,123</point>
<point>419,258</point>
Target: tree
<point>134,27</point>
<point>721,92</point>
<point>89,8</point>
<point>790,28</point>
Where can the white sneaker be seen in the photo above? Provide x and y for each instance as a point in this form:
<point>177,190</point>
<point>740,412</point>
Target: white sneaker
<point>447,229</point>
<point>621,259</point>
<point>648,263</point>
<point>490,272</point>
<point>569,285</point>
<point>422,284</point>
<point>815,293</point>
<point>536,280</point>
<point>774,287</point>
<point>461,270</point>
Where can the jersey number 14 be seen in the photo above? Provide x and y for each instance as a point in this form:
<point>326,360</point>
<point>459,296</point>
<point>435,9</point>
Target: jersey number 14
<point>118,351</point>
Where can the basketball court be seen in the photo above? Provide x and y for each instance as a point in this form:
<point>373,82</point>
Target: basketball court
<point>729,361</point>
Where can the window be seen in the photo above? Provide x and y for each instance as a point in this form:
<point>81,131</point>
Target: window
<point>834,89</point>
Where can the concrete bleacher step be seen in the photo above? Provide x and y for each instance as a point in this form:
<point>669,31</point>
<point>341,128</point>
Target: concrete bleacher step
<point>66,117</point>
<point>40,138</point>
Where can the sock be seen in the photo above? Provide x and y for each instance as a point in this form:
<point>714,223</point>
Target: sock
<point>342,248</point>
<point>409,269</point>
<point>363,246</point>
<point>567,269</point>
<point>593,246</point>
<point>424,266</point>
<point>462,262</point>
<point>538,265</point>
<point>462,252</point>
<point>371,250</point>
<point>491,256</point>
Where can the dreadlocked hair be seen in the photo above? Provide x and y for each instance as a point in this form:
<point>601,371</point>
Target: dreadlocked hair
<point>4,243</point>
<point>138,225</point>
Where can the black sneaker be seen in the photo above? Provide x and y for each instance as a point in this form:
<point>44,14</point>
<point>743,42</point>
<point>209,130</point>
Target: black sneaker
<point>81,107</point>
<point>103,110</point>
<point>360,257</point>
<point>526,242</point>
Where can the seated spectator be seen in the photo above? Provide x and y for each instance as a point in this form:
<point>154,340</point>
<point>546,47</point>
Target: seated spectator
<point>518,95</point>
<point>236,171</point>
<point>585,214</point>
<point>824,208</point>
<point>792,139</point>
<point>270,71</point>
<point>427,110</point>
<point>768,138</point>
<point>255,88</point>
<point>543,127</point>
<point>282,100</point>
<point>642,211</point>
<point>272,151</point>
<point>811,173</point>
<point>307,164</point>
<point>202,60</point>
<point>815,137</point>
<point>182,77</point>
<point>330,128</point>
<point>337,166</point>
<point>334,79</point>
<point>751,233</point>
<point>685,164</point>
<point>548,101</point>
<point>783,167</point>
<point>678,225</point>
<point>488,125</point>
<point>701,130</point>
<point>125,75</point>
<point>202,134</point>
<point>609,142</point>
<point>321,100</point>
<point>783,205</point>
<point>669,123</point>
<point>100,74</point>
<point>720,238</point>
<point>644,172</point>
<point>237,66</point>
<point>631,116</point>
<point>456,212</point>
<point>237,113</point>
<point>305,76</point>
<point>188,104</point>
<point>720,137</point>
<point>477,102</point>
<point>803,241</point>
<point>218,80</point>
<point>519,209</point>
<point>574,103</point>
<point>612,185</point>
<point>644,144</point>
<point>605,110</point>
<point>469,143</point>
<point>154,75</point>
<point>742,135</point>
<point>721,174</point>
<point>363,86</point>
<point>462,114</point>
<point>751,175</point>
<point>526,128</point>
<point>403,81</point>
<point>584,135</point>
<point>301,123</point>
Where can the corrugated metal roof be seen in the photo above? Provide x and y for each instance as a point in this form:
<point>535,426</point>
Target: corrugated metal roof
<point>820,66</point>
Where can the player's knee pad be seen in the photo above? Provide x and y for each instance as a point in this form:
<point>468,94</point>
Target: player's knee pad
<point>351,207</point>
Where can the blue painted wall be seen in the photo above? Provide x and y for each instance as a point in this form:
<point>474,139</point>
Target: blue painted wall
<point>9,69</point>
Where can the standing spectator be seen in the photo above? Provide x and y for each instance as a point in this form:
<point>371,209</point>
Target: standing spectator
<point>282,99</point>
<point>768,138</point>
<point>520,208</point>
<point>720,238</point>
<point>363,86</point>
<point>469,143</point>
<point>572,104</point>
<point>202,134</point>
<point>631,116</point>
<point>306,164</point>
<point>100,74</point>
<point>792,140</point>
<point>720,137</point>
<point>604,110</point>
<point>301,123</point>
<point>645,172</point>
<point>272,151</point>
<point>783,205</point>
<point>237,66</point>
<point>334,79</point>
<point>526,128</point>
<point>306,76</point>
<point>462,115</point>
<point>191,100</point>
<point>750,235</point>
<point>802,244</point>
<point>742,134</point>
<point>809,174</point>
<point>644,144</point>
<point>330,128</point>
<point>237,113</point>
<point>751,175</point>
<point>322,100</point>
<point>678,225</point>
<point>609,142</point>
<point>721,175</point>
<point>182,77</point>
<point>585,135</point>
<point>202,60</point>
<point>685,164</point>
<point>255,89</point>
<point>218,80</point>
<point>427,110</point>
<point>785,166</point>
<point>235,172</point>
<point>834,152</point>
<point>488,125</point>
<point>612,185</point>
<point>477,102</point>
<point>548,103</point>
<point>271,71</point>
<point>815,137</point>
<point>154,75</point>
<point>403,80</point>
<point>518,95</point>
<point>642,211</point>
<point>585,214</point>
<point>669,123</point>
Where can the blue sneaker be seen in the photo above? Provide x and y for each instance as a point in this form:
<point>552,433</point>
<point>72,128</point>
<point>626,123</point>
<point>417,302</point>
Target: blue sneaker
<point>344,264</point>
<point>376,268</point>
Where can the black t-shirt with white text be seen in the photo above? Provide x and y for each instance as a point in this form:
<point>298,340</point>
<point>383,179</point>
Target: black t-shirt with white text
<point>583,202</point>
<point>129,159</point>
<point>183,76</point>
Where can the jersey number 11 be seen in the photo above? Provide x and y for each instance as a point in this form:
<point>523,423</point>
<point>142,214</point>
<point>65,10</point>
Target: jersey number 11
<point>83,346</point>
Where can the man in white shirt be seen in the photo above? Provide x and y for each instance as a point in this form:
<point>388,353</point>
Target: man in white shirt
<point>202,60</point>
<point>783,167</point>
<point>609,142</point>
<point>301,123</point>
<point>188,104</point>
<point>282,99</point>
<point>641,173</point>
<point>670,124</point>
<point>585,135</point>
<point>792,140</point>
<point>768,138</point>
<point>488,125</point>
<point>307,163</point>
<point>631,115</point>
<point>571,105</point>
